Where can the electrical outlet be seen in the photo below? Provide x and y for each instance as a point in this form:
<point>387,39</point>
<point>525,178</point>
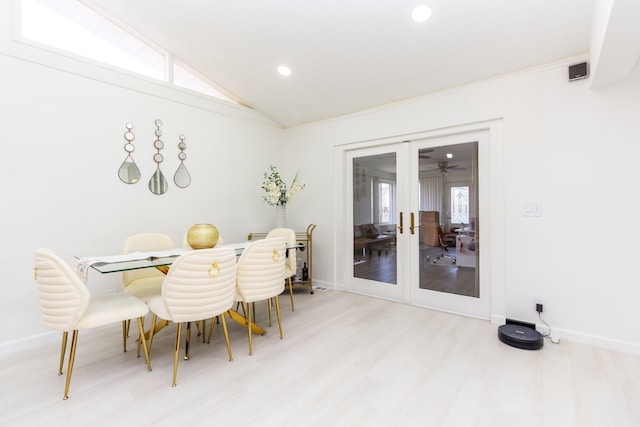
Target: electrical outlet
<point>539,307</point>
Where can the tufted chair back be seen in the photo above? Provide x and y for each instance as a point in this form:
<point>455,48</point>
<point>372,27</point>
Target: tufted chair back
<point>200,284</point>
<point>261,270</point>
<point>289,237</point>
<point>62,295</point>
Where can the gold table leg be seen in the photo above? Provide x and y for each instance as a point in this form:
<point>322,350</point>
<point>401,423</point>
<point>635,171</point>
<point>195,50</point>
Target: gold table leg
<point>238,318</point>
<point>159,326</point>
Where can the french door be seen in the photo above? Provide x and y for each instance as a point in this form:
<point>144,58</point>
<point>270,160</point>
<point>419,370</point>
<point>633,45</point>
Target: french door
<point>415,209</point>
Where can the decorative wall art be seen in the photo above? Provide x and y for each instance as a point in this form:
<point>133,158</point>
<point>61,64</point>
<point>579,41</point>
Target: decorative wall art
<point>158,183</point>
<point>129,172</point>
<point>182,177</point>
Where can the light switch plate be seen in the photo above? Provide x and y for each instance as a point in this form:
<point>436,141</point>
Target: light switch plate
<point>532,208</point>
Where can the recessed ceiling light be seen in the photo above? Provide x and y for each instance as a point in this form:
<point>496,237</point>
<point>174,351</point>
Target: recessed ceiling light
<point>449,156</point>
<point>284,70</point>
<point>421,13</point>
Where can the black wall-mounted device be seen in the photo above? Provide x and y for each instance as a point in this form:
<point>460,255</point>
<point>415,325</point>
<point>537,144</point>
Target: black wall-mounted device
<point>578,71</point>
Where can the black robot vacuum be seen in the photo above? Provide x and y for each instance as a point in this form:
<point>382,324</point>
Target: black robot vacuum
<point>520,337</point>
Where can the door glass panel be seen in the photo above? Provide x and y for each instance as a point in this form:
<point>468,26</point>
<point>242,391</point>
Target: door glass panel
<point>448,215</point>
<point>374,213</point>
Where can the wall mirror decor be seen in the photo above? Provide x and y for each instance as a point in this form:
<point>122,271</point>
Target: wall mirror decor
<point>182,177</point>
<point>158,183</point>
<point>129,172</point>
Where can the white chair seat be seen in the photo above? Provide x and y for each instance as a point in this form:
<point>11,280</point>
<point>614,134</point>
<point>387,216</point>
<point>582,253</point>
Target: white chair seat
<point>111,308</point>
<point>157,305</point>
<point>145,288</point>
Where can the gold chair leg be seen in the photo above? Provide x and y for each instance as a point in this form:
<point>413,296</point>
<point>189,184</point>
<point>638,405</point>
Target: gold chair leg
<point>143,341</point>
<point>238,305</point>
<point>152,331</point>
<point>249,328</point>
<point>124,335</point>
<point>72,356</point>
<point>278,314</point>
<point>291,294</point>
<point>187,341</point>
<point>211,328</point>
<point>204,330</point>
<point>63,350</point>
<point>226,337</point>
<point>128,326</point>
<point>175,353</point>
<point>269,307</point>
<point>139,340</point>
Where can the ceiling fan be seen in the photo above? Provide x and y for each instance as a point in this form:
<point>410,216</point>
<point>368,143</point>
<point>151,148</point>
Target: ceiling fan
<point>422,154</point>
<point>444,167</point>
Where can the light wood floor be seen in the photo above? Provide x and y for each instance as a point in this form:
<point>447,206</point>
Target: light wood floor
<point>381,266</point>
<point>346,360</point>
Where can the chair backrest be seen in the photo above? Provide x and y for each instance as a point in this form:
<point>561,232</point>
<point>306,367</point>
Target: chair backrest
<point>261,270</point>
<point>186,245</point>
<point>145,242</point>
<point>200,284</point>
<point>289,236</point>
<point>62,295</point>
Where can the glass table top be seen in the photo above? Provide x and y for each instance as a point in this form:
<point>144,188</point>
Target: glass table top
<point>135,261</point>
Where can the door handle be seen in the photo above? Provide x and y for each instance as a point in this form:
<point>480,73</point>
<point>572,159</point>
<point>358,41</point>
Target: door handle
<point>412,227</point>
<point>400,227</point>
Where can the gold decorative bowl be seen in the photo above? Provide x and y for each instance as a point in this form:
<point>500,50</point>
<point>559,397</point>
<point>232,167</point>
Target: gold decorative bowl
<point>202,236</point>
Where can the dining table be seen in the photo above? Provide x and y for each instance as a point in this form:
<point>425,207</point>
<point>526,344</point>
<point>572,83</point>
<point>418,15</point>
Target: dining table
<point>160,260</point>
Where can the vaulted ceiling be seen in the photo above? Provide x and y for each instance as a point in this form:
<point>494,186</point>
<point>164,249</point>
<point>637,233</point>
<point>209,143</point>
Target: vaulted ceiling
<point>352,55</point>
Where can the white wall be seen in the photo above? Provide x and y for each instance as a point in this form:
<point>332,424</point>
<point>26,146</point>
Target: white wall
<point>572,148</point>
<point>62,139</point>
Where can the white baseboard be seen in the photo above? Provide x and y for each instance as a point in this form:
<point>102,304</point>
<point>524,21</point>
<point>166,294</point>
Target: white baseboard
<point>558,333</point>
<point>34,341</point>
<point>29,343</point>
<point>581,337</point>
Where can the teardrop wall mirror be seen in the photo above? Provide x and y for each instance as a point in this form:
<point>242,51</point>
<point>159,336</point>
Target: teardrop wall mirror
<point>129,173</point>
<point>158,183</point>
<point>182,177</point>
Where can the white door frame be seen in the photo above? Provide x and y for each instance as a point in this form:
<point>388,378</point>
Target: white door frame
<point>394,292</point>
<point>491,209</point>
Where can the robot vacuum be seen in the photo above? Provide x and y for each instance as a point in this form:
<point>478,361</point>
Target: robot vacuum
<point>520,337</point>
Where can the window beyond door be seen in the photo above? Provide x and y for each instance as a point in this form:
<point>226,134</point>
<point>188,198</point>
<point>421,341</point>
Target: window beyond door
<point>460,205</point>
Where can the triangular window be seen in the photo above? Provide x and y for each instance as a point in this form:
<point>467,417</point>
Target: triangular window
<point>71,26</point>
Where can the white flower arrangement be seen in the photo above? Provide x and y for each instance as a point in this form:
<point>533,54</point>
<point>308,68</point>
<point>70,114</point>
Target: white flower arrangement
<point>276,188</point>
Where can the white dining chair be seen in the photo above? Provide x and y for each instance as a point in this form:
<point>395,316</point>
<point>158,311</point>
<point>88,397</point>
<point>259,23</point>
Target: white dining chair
<point>144,283</point>
<point>260,276</point>
<point>67,305</point>
<point>200,285</point>
<point>186,245</point>
<point>290,264</point>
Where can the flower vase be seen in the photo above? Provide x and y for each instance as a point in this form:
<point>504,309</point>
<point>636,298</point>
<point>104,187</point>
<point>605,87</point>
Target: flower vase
<point>281,216</point>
